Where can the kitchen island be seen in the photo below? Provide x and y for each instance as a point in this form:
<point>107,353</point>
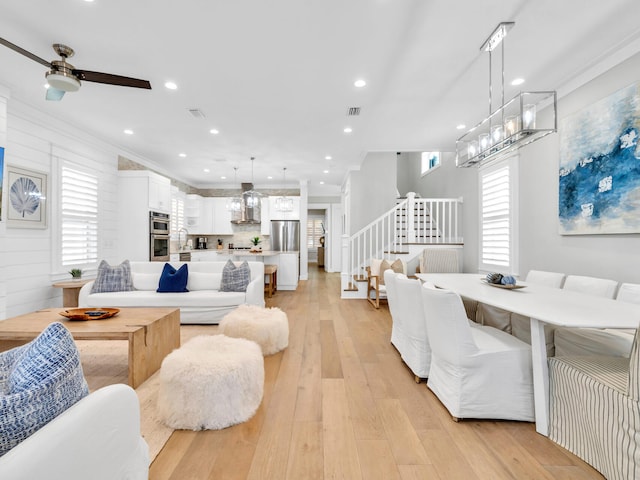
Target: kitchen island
<point>288,263</point>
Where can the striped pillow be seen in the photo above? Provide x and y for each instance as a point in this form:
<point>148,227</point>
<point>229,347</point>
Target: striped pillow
<point>235,279</point>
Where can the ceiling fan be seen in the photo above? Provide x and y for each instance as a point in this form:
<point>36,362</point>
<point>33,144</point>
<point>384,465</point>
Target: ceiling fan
<point>64,77</point>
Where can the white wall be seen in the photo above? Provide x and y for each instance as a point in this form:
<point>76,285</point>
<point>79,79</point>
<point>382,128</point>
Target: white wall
<point>408,172</point>
<point>541,246</point>
<point>372,189</point>
<point>29,256</point>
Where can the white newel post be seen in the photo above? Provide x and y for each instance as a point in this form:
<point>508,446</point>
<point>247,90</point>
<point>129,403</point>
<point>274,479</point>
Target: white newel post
<point>346,260</point>
<point>411,229</point>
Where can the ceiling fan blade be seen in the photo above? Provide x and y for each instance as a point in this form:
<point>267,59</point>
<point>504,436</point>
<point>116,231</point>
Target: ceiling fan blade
<point>54,94</point>
<point>111,79</point>
<point>22,51</point>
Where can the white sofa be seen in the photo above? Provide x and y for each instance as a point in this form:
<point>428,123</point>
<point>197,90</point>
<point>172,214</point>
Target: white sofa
<point>98,437</point>
<point>204,303</point>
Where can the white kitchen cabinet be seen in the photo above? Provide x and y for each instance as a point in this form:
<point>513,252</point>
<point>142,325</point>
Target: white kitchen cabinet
<point>206,217</point>
<point>148,190</point>
<point>199,215</point>
<point>221,217</point>
<point>288,271</point>
<point>192,210</point>
<point>278,215</point>
<point>159,193</point>
<point>204,256</point>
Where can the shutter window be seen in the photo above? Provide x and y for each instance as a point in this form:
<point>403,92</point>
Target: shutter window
<point>177,215</point>
<point>314,232</point>
<point>496,221</point>
<point>79,198</point>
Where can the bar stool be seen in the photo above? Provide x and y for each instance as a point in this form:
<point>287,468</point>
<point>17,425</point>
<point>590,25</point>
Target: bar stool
<point>272,285</point>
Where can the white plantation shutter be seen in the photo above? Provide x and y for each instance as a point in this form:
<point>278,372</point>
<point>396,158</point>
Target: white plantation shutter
<point>79,200</point>
<point>314,232</point>
<point>496,217</point>
<point>177,215</point>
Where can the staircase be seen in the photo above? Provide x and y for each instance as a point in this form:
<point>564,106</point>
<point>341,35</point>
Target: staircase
<point>403,232</point>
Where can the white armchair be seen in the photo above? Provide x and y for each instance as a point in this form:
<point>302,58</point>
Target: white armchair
<point>97,438</point>
<point>476,371</point>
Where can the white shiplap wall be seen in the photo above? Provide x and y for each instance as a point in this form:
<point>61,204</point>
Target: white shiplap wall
<point>30,257</point>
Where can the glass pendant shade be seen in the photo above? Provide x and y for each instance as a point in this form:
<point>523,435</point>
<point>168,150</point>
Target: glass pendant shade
<point>284,204</point>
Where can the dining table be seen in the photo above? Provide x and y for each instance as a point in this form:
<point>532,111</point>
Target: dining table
<point>543,305</point>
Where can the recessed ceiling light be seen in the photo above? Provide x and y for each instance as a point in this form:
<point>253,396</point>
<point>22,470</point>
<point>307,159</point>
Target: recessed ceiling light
<point>171,85</point>
<point>206,170</point>
<point>328,157</point>
<point>517,81</point>
<point>182,155</point>
<point>128,131</point>
<point>321,183</point>
<point>325,171</point>
<point>269,177</point>
<point>359,83</point>
<point>213,131</point>
<point>347,130</point>
<point>461,126</point>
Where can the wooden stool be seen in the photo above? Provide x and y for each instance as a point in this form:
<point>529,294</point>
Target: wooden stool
<point>272,285</point>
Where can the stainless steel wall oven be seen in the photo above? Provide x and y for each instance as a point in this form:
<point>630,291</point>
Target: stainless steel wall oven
<point>159,233</point>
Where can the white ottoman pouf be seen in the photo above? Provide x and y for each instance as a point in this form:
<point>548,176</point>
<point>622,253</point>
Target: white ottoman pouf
<point>268,327</point>
<point>211,382</point>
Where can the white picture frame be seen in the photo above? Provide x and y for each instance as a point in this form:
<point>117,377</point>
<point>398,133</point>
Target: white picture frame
<point>26,198</point>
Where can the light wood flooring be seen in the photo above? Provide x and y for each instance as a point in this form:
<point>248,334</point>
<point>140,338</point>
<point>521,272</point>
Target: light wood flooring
<point>340,404</point>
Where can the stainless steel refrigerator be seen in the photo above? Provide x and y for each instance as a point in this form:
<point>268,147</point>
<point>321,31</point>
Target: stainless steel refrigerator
<point>285,235</point>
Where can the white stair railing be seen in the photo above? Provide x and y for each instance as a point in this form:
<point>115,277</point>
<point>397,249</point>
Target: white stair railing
<point>414,220</point>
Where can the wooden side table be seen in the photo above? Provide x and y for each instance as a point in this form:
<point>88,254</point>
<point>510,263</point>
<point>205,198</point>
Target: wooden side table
<point>71,290</point>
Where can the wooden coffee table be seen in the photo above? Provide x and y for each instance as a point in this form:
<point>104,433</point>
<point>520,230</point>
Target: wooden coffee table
<point>152,334</point>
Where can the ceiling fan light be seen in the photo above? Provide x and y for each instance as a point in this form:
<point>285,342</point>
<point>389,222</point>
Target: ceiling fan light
<point>63,82</point>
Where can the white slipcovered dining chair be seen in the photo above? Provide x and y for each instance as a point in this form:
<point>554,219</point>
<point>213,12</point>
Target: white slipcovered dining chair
<point>392,298</point>
<point>601,287</point>
<point>600,341</point>
<point>521,325</point>
<point>409,330</point>
<point>518,325</point>
<point>591,341</point>
<point>476,371</point>
<point>594,410</point>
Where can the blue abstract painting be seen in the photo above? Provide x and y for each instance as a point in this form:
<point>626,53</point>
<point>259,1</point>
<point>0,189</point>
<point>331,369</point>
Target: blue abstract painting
<point>599,176</point>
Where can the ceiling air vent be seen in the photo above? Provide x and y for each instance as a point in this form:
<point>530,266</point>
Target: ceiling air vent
<point>353,112</point>
<point>196,113</point>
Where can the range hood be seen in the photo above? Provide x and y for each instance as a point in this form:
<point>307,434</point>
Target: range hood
<point>249,211</point>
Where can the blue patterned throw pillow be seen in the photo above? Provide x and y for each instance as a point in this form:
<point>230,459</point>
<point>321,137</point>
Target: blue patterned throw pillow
<point>41,380</point>
<point>235,279</point>
<point>172,280</point>
<point>113,279</point>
